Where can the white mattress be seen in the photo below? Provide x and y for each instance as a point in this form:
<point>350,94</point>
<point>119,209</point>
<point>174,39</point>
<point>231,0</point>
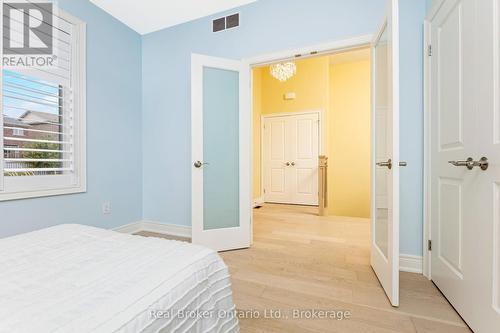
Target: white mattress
<point>73,278</point>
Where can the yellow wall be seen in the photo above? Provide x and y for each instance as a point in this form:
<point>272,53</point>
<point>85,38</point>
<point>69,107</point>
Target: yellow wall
<point>310,85</point>
<point>349,139</point>
<point>257,112</point>
<point>343,92</point>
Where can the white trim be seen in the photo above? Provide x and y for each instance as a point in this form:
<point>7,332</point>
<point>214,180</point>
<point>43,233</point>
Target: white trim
<point>34,187</point>
<point>130,228</point>
<point>166,229</point>
<point>436,5</point>
<point>156,227</point>
<point>411,264</point>
<point>316,50</point>
<point>258,202</point>
<point>427,155</point>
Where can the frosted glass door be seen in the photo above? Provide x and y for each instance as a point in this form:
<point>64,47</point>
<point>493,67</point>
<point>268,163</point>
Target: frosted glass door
<point>221,204</point>
<point>385,154</point>
<point>220,134</point>
<point>382,143</point>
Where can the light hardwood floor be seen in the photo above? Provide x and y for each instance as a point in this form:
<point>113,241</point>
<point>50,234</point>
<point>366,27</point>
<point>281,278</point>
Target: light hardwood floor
<point>301,261</point>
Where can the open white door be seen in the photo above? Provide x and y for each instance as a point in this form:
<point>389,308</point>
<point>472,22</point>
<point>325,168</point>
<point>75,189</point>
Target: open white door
<point>385,154</point>
<point>220,133</point>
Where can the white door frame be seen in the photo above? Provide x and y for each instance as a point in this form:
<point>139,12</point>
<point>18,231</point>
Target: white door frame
<point>321,135</point>
<point>331,47</point>
<point>427,140</point>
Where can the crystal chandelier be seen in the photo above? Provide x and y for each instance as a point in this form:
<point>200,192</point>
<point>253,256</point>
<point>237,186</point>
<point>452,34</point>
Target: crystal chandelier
<point>283,71</point>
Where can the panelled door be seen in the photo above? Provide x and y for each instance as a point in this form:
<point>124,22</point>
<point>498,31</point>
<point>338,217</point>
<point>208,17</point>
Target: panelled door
<point>465,158</point>
<point>385,154</point>
<point>290,150</point>
<point>220,134</point>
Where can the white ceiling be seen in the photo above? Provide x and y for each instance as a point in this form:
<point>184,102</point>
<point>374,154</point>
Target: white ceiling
<point>146,16</point>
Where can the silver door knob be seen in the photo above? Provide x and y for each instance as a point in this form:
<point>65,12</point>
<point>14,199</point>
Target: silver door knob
<point>199,164</point>
<point>483,163</point>
<point>403,164</point>
<point>387,164</point>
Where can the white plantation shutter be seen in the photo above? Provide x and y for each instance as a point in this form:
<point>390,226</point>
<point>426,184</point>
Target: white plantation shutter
<point>43,114</point>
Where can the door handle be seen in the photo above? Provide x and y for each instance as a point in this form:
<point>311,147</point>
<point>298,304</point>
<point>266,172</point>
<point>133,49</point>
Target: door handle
<point>287,163</point>
<point>293,163</point>
<point>199,164</point>
<point>387,164</point>
<point>483,163</point>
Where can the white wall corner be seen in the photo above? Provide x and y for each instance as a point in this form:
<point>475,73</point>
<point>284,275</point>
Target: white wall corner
<point>153,226</point>
<point>411,264</point>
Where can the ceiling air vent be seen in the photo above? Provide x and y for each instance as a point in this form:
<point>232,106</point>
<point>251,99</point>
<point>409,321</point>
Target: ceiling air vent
<point>224,23</point>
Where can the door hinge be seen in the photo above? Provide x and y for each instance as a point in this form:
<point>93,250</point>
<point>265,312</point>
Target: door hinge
<point>429,50</point>
<point>429,245</point>
<point>264,191</point>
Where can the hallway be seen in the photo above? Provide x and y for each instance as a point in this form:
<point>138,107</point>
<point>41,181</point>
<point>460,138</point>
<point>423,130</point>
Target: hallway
<point>300,260</point>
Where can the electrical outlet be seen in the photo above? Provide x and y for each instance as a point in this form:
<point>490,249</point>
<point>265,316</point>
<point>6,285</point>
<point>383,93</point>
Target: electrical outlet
<point>106,208</point>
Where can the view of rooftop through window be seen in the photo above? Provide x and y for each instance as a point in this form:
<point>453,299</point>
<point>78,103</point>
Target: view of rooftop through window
<point>34,127</point>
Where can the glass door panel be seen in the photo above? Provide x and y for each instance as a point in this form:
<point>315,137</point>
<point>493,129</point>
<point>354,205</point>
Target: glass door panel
<point>221,200</point>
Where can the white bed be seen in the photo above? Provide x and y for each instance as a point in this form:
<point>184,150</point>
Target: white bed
<point>74,278</point>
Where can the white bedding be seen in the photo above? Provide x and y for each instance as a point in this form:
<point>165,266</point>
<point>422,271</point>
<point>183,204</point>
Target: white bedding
<point>73,278</point>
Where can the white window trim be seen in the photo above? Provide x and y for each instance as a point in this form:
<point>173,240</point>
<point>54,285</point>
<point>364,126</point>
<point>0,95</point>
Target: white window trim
<point>39,187</point>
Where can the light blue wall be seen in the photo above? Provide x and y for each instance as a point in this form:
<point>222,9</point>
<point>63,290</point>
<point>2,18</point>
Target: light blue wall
<point>166,87</point>
<point>114,134</point>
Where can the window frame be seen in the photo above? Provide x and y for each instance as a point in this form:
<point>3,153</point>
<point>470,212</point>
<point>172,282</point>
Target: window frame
<point>52,185</point>
<point>18,131</point>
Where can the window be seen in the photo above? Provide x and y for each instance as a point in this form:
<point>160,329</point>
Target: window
<point>18,131</point>
<point>43,118</point>
<point>11,151</point>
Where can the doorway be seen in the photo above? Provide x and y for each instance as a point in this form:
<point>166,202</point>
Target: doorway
<point>209,71</point>
<point>321,110</point>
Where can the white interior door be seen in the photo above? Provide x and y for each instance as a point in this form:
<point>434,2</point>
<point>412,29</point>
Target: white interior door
<point>290,155</point>
<point>385,154</point>
<point>220,134</point>
<point>465,123</point>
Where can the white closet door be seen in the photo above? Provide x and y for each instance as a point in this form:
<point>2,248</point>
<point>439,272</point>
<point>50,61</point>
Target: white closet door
<point>275,153</point>
<point>290,153</point>
<point>465,198</point>
<point>304,154</point>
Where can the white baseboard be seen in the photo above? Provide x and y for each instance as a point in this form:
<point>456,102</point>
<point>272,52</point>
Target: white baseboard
<point>258,202</point>
<point>151,226</point>
<point>130,228</point>
<point>411,264</point>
